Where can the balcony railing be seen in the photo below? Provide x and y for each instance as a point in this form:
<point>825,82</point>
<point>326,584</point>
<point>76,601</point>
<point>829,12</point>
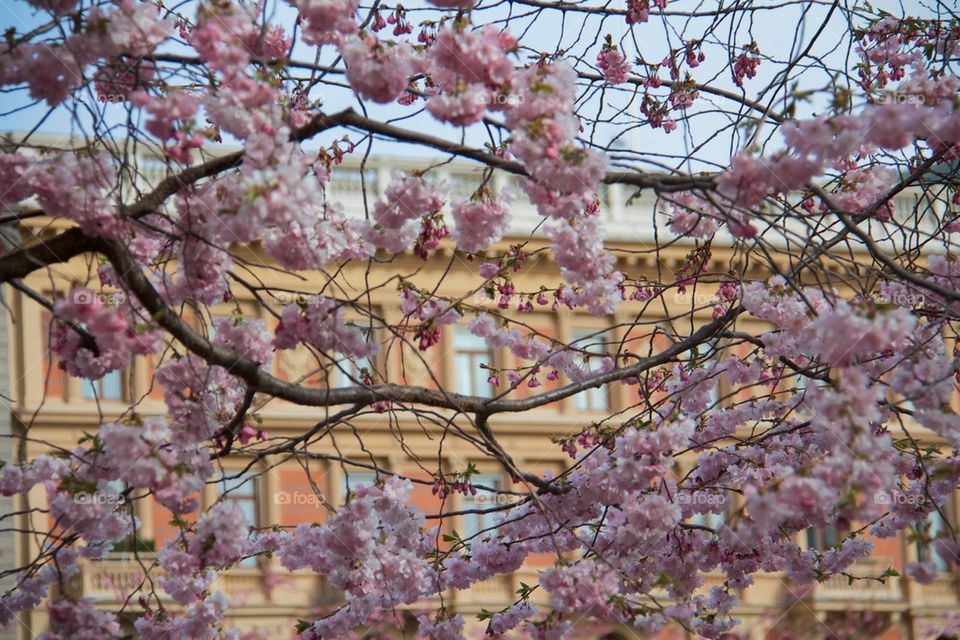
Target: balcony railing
<point>110,582</point>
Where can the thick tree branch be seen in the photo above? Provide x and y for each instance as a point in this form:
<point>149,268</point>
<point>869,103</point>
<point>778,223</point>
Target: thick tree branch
<point>256,378</point>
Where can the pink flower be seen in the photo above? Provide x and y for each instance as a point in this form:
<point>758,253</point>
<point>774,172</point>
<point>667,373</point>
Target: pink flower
<point>441,628</point>
<point>922,572</point>
<point>693,216</point>
<point>745,66</point>
<point>378,71</point>
<point>13,187</point>
<point>319,322</point>
<point>460,108</point>
<point>80,620</point>
<point>479,224</point>
<point>489,270</point>
<point>167,111</point>
<point>111,330</point>
<point>615,68</point>
<point>248,338</point>
<point>327,20</point>
<point>585,587</point>
<point>471,57</point>
<point>56,7</point>
<point>221,537</point>
<point>407,198</point>
<point>638,11</point>
<point>504,621</point>
<point>77,188</point>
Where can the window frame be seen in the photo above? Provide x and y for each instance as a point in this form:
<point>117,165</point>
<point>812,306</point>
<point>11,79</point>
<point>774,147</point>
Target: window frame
<point>481,524</point>
<point>595,399</point>
<point>254,477</point>
<point>477,384</point>
<point>95,389</point>
<point>925,551</point>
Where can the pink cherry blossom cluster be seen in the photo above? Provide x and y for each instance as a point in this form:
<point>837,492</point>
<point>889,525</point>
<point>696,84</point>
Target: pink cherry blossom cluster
<point>186,580</point>
<point>566,361</point>
<point>504,621</point>
<point>115,339</point>
<point>327,20</point>
<point>440,312</point>
<point>693,216</point>
<point>480,222</point>
<point>32,587</point>
<point>377,70</point>
<point>45,470</point>
<point>56,7</point>
<point>614,67</point>
<point>200,398</point>
<point>888,47</point>
<point>564,177</point>
<point>91,509</point>
<point>52,71</point>
<point>203,620</point>
<point>818,143</point>
<point>745,65</point>
<point>373,549</point>
<point>564,180</point>
<point>578,245</point>
<point>406,201</point>
<point>246,337</point>
<point>433,314</point>
<point>68,184</point>
<point>441,628</point>
<point>221,536</point>
<point>319,322</point>
<point>80,620</point>
<point>153,456</point>
<point>779,499</point>
<point>171,117</point>
<point>471,70</point>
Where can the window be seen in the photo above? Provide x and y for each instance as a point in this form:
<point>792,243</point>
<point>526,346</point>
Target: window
<point>698,359</point>
<point>109,387</point>
<point>350,480</point>
<point>822,539</point>
<point>241,489</point>
<point>803,382</point>
<point>929,530</point>
<point>591,340</point>
<point>486,497</point>
<point>711,520</point>
<point>471,352</point>
<point>350,180</point>
<point>348,370</point>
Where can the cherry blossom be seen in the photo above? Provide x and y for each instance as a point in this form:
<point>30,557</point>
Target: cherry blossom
<point>319,322</point>
<point>775,306</point>
<point>112,338</point>
<point>80,620</point>
<point>327,19</point>
<point>614,66</point>
<point>479,224</point>
<point>377,70</point>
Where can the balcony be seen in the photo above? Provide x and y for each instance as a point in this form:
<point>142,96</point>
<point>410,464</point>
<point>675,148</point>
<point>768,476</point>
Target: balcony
<point>109,582</point>
<point>943,592</point>
<point>867,592</point>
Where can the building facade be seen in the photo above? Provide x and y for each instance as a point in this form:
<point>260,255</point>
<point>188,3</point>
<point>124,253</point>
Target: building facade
<point>46,408</point>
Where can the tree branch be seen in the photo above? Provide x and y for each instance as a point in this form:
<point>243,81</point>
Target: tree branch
<point>256,378</point>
